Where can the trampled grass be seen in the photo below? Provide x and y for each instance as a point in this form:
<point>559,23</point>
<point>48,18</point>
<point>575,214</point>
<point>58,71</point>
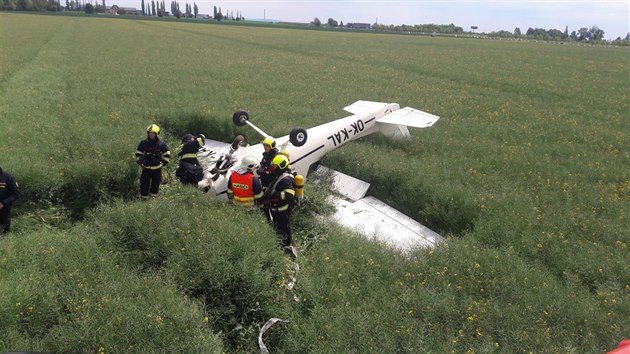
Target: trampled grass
<point>526,173</point>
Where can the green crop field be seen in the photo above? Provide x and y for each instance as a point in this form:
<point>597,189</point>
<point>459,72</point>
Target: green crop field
<point>527,174</point>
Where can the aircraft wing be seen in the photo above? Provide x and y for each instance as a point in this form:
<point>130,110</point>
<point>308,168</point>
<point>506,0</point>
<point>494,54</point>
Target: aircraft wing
<point>374,219</point>
<point>360,107</point>
<point>410,117</point>
<point>378,221</point>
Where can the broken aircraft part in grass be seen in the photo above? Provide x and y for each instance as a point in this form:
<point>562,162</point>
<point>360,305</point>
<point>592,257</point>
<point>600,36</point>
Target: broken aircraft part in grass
<point>306,147</point>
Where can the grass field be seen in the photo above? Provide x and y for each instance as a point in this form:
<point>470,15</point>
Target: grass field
<point>527,174</point>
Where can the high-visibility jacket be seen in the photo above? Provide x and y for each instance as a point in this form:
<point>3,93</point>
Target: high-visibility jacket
<point>244,188</point>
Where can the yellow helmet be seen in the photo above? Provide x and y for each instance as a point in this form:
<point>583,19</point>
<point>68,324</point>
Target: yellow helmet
<point>153,128</point>
<point>269,140</point>
<point>281,161</point>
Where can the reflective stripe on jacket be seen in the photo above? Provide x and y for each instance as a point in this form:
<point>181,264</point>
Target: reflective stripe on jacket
<point>244,188</point>
<point>282,194</point>
<point>153,154</point>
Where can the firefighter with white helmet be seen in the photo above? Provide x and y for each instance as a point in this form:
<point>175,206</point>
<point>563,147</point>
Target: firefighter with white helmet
<point>152,154</point>
<point>244,187</point>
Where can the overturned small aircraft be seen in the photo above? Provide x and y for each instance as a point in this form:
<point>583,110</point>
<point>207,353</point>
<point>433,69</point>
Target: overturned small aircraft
<point>306,147</point>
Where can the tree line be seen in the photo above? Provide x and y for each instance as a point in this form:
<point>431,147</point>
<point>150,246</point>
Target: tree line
<point>153,8</point>
<point>593,34</point>
<point>31,5</point>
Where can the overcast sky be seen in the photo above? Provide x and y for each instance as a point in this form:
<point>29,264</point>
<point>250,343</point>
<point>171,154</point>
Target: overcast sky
<point>610,15</point>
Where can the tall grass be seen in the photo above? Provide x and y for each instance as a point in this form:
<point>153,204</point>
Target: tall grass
<point>526,174</point>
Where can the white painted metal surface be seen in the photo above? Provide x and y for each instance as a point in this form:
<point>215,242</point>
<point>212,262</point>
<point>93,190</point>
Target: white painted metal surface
<point>325,138</point>
<point>378,221</point>
<point>348,186</point>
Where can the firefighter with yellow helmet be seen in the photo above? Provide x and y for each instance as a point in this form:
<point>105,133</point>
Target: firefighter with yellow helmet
<point>244,187</point>
<point>271,151</point>
<point>279,198</point>
<point>189,170</point>
<point>152,154</point>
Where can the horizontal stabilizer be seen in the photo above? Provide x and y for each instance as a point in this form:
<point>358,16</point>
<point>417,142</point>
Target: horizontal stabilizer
<point>360,107</point>
<point>410,117</point>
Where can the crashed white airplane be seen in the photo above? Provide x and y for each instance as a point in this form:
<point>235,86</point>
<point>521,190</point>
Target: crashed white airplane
<point>366,215</point>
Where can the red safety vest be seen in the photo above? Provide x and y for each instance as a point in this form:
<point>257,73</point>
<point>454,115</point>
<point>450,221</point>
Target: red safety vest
<point>243,189</point>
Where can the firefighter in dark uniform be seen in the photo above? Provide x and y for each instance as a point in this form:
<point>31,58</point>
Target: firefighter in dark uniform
<point>264,171</point>
<point>280,198</point>
<point>152,154</point>
<point>9,193</point>
<point>189,171</point>
<point>244,187</point>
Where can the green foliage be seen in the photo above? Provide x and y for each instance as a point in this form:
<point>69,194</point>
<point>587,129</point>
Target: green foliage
<point>224,257</point>
<point>357,297</point>
<point>61,292</point>
<point>526,173</point>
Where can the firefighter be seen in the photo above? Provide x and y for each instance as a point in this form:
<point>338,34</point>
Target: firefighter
<point>9,193</point>
<point>152,154</point>
<point>189,171</point>
<point>271,151</point>
<point>244,187</point>
<point>279,199</point>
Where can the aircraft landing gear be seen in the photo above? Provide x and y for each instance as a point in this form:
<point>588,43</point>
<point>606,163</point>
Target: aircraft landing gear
<point>298,136</point>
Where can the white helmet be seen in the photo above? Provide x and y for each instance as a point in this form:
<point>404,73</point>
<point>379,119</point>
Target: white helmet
<point>249,163</point>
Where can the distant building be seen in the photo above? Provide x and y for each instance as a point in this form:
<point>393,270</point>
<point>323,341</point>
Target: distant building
<point>132,11</point>
<point>359,25</point>
<point>117,10</point>
<point>113,10</point>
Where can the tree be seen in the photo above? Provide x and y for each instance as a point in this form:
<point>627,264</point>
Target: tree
<point>332,23</point>
<point>142,7</point>
<point>217,14</point>
<point>517,32</point>
<point>316,22</point>
<point>89,8</point>
<point>627,37</point>
<point>573,36</point>
<point>584,34</point>
<point>597,34</point>
<point>196,9</point>
<point>153,7</point>
<point>565,34</point>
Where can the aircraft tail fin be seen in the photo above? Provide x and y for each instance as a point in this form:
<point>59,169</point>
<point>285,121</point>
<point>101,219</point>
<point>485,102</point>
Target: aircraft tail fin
<point>394,124</point>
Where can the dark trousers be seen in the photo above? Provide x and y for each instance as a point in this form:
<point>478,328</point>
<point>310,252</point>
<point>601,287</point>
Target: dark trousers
<point>150,181</point>
<point>281,223</point>
<point>5,220</point>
